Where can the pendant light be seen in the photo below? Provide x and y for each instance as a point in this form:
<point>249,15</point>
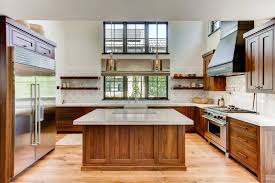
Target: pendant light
<point>157,63</point>
<point>111,62</point>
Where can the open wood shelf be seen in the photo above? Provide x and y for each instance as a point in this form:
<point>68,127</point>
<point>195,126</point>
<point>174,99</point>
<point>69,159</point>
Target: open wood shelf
<point>80,88</point>
<point>187,88</point>
<point>188,77</point>
<point>79,77</point>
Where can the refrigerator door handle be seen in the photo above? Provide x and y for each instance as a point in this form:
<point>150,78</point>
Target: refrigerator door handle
<point>33,98</point>
<point>39,115</point>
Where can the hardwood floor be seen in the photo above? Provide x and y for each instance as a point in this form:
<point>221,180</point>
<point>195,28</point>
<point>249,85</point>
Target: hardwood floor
<point>205,164</point>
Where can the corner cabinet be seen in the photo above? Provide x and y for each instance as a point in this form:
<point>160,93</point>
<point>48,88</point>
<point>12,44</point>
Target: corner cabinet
<point>217,83</point>
<point>260,64</point>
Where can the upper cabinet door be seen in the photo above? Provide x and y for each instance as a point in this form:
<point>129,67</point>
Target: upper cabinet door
<point>252,63</point>
<point>260,62</point>
<point>266,64</point>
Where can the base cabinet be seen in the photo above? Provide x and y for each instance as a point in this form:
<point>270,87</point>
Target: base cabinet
<point>66,115</point>
<point>190,113</point>
<point>199,121</point>
<point>134,147</point>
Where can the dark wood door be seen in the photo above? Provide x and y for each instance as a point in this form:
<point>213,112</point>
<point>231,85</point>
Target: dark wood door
<point>252,63</point>
<point>266,41</point>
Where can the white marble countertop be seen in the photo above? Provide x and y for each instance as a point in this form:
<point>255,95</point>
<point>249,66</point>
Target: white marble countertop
<point>255,119</point>
<point>121,104</point>
<point>133,117</point>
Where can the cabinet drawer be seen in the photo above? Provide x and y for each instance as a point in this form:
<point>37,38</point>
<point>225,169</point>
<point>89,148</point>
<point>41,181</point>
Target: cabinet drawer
<point>245,140</point>
<point>244,128</point>
<point>22,40</point>
<point>247,157</point>
<point>45,49</point>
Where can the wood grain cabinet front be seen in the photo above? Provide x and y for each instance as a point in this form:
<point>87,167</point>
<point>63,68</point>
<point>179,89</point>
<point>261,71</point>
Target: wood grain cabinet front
<point>260,60</point>
<point>22,40</point>
<point>244,144</point>
<point>217,83</point>
<point>143,147</point>
<point>66,115</point>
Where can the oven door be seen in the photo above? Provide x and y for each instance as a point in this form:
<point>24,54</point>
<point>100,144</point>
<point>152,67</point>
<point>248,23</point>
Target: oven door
<point>216,133</point>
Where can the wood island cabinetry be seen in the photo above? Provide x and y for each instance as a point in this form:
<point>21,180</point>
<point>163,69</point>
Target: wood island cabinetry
<point>142,147</point>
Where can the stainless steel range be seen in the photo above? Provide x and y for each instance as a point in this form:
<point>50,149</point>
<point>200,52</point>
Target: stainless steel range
<point>216,124</point>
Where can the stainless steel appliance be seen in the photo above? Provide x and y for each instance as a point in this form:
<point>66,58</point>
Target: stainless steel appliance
<point>34,108</point>
<point>216,124</point>
<point>229,57</point>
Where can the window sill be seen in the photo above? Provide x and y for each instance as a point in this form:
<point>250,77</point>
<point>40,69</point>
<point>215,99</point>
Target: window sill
<point>132,99</point>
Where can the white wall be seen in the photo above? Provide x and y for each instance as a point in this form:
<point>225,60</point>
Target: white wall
<point>80,44</point>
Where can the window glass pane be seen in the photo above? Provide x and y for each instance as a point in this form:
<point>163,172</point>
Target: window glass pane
<point>113,38</point>
<point>113,86</point>
<point>157,38</point>
<point>135,87</point>
<point>135,38</point>
<point>157,86</point>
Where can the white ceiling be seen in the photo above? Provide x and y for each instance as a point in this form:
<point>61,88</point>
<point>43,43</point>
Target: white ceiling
<point>138,9</point>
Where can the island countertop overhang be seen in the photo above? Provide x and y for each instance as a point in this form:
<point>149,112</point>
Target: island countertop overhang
<point>134,117</point>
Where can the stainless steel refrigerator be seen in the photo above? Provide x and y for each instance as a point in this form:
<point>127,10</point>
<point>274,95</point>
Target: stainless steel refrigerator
<point>34,108</point>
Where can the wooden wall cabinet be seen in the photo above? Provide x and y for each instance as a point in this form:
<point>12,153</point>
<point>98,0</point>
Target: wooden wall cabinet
<point>66,115</point>
<point>260,59</point>
<point>217,83</point>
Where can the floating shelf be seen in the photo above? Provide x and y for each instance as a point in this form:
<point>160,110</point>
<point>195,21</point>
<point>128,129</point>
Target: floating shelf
<point>80,88</point>
<point>187,88</point>
<point>188,77</point>
<point>79,77</point>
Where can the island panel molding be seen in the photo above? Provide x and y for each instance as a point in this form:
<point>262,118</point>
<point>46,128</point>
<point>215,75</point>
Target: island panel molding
<point>122,147</point>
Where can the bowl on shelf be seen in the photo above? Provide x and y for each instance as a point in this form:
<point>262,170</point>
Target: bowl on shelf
<point>199,100</point>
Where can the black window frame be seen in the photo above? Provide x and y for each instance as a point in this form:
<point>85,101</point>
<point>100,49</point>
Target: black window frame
<point>211,27</point>
<point>146,23</point>
<point>125,82</point>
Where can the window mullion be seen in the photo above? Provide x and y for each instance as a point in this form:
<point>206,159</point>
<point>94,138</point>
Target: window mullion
<point>125,37</point>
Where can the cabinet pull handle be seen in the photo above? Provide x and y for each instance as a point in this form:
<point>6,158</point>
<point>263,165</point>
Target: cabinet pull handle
<point>244,140</point>
<point>24,46</point>
<point>243,155</point>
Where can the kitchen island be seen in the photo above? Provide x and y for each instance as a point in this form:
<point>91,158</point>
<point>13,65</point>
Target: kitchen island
<point>133,139</point>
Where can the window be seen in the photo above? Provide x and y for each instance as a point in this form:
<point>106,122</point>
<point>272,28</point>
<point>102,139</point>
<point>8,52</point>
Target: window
<point>214,26</point>
<point>135,37</point>
<point>114,37</point>
<point>131,87</point>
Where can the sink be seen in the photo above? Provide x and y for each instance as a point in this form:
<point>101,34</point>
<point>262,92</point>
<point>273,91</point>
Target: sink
<point>134,111</point>
<point>135,106</point>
